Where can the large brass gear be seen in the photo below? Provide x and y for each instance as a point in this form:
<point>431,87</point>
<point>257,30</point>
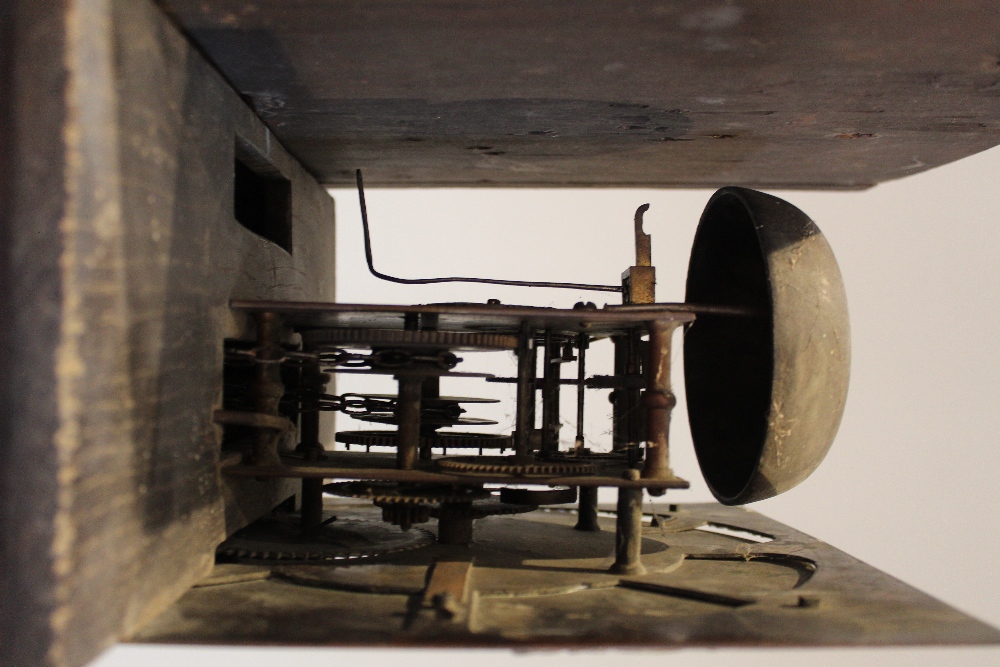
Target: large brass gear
<point>280,539</point>
<point>382,493</point>
<point>587,454</point>
<point>404,515</point>
<point>452,340</point>
<point>511,465</point>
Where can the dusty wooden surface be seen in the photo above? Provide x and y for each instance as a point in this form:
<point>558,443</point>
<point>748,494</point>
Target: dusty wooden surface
<point>532,580</point>
<point>31,196</point>
<point>613,93</point>
<point>121,254</point>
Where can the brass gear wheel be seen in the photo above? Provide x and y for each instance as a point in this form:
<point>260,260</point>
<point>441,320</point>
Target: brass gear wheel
<point>588,455</point>
<point>384,493</point>
<point>452,340</point>
<point>511,465</point>
<point>404,515</point>
<point>280,539</point>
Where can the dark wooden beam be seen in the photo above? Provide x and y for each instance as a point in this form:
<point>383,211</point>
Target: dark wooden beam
<point>120,254</point>
<point>758,93</point>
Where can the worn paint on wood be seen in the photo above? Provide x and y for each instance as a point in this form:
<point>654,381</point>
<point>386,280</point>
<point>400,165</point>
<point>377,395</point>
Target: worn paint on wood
<point>121,256</point>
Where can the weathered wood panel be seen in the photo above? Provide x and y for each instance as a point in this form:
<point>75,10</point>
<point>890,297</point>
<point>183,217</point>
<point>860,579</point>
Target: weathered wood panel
<point>758,93</point>
<point>120,258</point>
<point>31,206</point>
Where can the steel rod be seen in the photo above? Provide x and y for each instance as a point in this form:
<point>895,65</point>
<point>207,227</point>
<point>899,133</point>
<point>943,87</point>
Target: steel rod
<point>587,510</point>
<point>550,395</point>
<point>311,499</point>
<point>628,530</point>
<point>408,440</point>
<point>581,388</point>
<point>429,281</point>
<point>525,392</point>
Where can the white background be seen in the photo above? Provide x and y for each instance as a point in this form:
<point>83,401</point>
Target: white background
<point>911,483</point>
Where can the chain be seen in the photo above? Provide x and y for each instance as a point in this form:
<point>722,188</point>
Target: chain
<point>386,358</point>
<point>237,357</point>
<point>304,398</point>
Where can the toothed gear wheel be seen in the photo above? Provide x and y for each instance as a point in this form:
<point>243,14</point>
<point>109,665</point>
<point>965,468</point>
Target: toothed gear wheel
<point>389,492</point>
<point>404,515</point>
<point>455,340</point>
<point>510,465</point>
<point>588,455</point>
<point>480,509</point>
<point>280,539</point>
<point>454,440</point>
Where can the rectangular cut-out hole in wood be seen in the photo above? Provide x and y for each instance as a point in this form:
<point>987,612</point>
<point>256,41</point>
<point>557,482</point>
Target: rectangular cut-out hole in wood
<point>262,197</point>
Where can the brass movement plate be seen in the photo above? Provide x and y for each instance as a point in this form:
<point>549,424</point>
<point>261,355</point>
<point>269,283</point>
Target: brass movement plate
<point>379,466</point>
<point>715,576</point>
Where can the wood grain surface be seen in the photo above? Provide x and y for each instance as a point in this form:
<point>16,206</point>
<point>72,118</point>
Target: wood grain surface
<point>758,93</point>
<point>121,254</point>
